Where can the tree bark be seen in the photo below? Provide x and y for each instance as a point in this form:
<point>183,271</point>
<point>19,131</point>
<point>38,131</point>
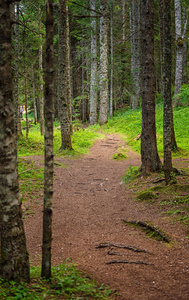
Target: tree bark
<point>34,96</point>
<point>111,63</point>
<point>93,80</point>
<point>103,114</point>
<point>149,154</point>
<point>179,52</point>
<point>41,85</point>
<point>16,75</point>
<point>14,261</point>
<point>64,78</point>
<point>167,124</point>
<point>135,53</point>
<point>49,115</point>
<point>161,38</point>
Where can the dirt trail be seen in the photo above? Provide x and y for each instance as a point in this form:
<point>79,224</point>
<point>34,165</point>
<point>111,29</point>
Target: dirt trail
<point>89,203</point>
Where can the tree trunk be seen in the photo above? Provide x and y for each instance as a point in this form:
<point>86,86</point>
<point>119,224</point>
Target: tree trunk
<point>93,80</point>
<point>149,154</point>
<point>135,53</point>
<point>34,96</point>
<point>14,261</point>
<point>48,173</point>
<point>41,85</point>
<point>167,91</point>
<point>16,75</point>
<point>185,21</point>
<point>111,66</point>
<point>161,38</point>
<point>64,78</point>
<point>103,114</point>
<point>179,52</point>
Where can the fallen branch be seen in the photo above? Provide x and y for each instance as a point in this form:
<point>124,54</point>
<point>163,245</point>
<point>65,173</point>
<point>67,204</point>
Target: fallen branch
<point>133,248</point>
<point>158,180</point>
<point>25,171</point>
<point>150,227</point>
<point>120,261</point>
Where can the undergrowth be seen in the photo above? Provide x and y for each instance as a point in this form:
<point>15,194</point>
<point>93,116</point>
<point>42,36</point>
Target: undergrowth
<point>66,283</point>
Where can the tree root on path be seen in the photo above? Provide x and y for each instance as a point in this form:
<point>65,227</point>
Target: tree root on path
<point>110,244</point>
<point>149,227</point>
<point>119,261</point>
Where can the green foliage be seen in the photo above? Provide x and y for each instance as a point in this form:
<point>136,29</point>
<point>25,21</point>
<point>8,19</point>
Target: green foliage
<point>30,179</point>
<point>128,125</point>
<point>184,94</point>
<point>132,173</point>
<point>66,282</point>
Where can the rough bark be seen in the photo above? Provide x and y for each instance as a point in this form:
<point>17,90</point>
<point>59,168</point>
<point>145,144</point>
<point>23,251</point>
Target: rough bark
<point>135,53</point>
<point>103,114</point>
<point>16,75</point>
<point>64,78</point>
<point>93,80</point>
<point>34,96</point>
<point>111,64</point>
<point>167,124</point>
<point>41,86</point>
<point>149,154</point>
<point>48,173</point>
<point>161,38</point>
<point>14,261</point>
<point>179,52</point>
<point>185,21</point>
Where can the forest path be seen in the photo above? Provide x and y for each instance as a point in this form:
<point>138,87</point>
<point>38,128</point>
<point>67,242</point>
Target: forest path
<point>88,206</point>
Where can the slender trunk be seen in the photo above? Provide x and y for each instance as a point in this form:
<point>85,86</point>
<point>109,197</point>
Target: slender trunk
<point>16,76</point>
<point>34,96</point>
<point>185,21</point>
<point>41,86</point>
<point>26,108</point>
<point>68,70</point>
<point>64,78</point>
<point>93,80</point>
<point>14,259</point>
<point>161,38</point>
<point>149,154</point>
<point>135,60</point>
<point>123,75</point>
<point>179,52</point>
<point>103,115</point>
<point>112,68</point>
<point>48,173</point>
<point>167,91</point>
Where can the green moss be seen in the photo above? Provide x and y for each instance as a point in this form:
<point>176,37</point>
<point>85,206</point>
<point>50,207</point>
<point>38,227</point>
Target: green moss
<point>119,156</point>
<point>146,196</point>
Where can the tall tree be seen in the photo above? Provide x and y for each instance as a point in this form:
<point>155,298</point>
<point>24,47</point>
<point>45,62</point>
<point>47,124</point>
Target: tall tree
<point>14,261</point>
<point>167,123</point>
<point>179,51</point>
<point>111,62</point>
<point>103,114</point>
<point>161,39</point>
<point>64,77</point>
<point>135,53</point>
<point>41,80</point>
<point>16,73</point>
<point>49,115</point>
<point>149,154</point>
<point>93,80</point>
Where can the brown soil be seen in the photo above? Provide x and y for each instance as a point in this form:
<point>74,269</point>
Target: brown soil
<point>90,202</point>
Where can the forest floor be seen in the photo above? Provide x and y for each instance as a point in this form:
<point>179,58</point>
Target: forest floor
<point>89,204</point>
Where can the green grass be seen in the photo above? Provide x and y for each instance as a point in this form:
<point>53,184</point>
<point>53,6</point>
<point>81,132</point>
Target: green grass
<point>30,179</point>
<point>66,283</point>
<point>126,123</point>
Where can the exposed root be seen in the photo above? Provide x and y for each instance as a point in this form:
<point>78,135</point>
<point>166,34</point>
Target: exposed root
<point>149,227</point>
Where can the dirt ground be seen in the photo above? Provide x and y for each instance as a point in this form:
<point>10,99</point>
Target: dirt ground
<point>89,204</point>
